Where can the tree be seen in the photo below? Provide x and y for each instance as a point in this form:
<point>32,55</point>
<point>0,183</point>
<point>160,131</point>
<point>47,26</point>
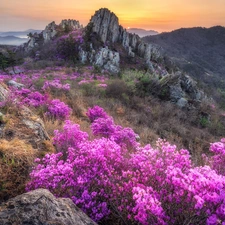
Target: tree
<point>3,61</point>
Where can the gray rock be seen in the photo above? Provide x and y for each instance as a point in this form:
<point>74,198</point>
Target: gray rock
<point>182,102</point>
<point>49,31</point>
<point>3,93</point>
<point>72,24</point>
<point>40,207</point>
<point>108,59</point>
<point>106,25</point>
<point>15,84</point>
<point>35,124</point>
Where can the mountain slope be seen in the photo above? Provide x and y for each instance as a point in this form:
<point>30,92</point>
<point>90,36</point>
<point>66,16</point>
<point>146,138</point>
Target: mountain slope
<point>198,51</point>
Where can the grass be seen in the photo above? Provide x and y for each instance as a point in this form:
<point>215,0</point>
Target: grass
<point>150,117</point>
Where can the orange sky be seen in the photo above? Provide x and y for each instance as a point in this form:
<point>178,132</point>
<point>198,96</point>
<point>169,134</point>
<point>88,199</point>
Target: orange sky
<point>163,15</point>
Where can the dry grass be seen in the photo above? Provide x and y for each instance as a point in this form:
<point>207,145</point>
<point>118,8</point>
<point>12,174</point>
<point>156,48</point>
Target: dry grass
<point>16,159</point>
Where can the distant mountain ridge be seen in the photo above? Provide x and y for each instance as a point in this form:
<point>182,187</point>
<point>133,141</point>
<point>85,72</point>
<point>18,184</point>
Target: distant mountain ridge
<point>18,33</point>
<point>142,32</point>
<point>12,40</point>
<point>15,37</point>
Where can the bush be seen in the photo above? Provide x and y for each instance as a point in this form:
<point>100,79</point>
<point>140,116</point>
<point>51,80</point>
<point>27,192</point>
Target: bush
<point>143,185</point>
<point>58,110</point>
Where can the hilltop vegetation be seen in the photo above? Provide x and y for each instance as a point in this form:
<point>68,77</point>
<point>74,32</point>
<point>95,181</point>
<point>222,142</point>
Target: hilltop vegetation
<point>200,52</point>
<point>107,118</point>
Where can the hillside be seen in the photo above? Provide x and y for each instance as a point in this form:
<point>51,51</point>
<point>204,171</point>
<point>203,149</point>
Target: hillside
<point>198,51</point>
<point>96,115</point>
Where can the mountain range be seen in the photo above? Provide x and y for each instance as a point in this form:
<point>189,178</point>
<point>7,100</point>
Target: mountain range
<point>142,32</point>
<point>15,37</point>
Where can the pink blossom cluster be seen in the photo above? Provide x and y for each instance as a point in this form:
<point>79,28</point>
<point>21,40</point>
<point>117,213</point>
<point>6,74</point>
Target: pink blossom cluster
<point>217,160</point>
<point>29,98</point>
<point>104,126</point>
<point>56,83</point>
<point>58,110</point>
<point>143,185</point>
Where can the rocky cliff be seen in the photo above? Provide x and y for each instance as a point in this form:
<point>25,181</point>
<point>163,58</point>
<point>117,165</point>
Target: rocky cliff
<point>106,25</point>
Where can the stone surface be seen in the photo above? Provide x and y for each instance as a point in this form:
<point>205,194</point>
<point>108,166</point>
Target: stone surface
<point>72,24</point>
<point>182,102</point>
<point>15,84</point>
<point>106,25</point>
<point>23,124</point>
<point>3,92</point>
<point>40,207</point>
<point>49,31</point>
<point>108,59</point>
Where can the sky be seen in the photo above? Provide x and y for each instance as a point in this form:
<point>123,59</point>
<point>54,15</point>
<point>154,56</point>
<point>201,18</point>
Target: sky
<point>159,15</point>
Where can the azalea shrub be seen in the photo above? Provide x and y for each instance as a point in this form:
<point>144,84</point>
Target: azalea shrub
<point>119,183</point>
<point>58,110</point>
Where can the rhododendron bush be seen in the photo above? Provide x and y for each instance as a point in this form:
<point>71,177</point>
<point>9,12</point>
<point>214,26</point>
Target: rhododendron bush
<point>113,178</point>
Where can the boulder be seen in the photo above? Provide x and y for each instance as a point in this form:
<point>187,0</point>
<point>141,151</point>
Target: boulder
<point>41,207</point>
<point>15,84</point>
<point>3,92</point>
<point>182,102</point>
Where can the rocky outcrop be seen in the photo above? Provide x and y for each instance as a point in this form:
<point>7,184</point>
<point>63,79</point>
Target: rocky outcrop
<point>50,32</point>
<point>71,24</point>
<point>181,89</point>
<point>15,84</point>
<point>41,207</point>
<point>106,25</point>
<point>3,92</point>
<point>103,58</point>
<point>108,59</point>
<point>25,125</point>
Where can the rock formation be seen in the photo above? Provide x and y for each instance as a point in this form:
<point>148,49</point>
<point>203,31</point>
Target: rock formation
<point>103,58</point>
<point>72,24</point>
<point>106,25</point>
<point>50,31</point>
<point>3,92</point>
<point>41,207</point>
<point>25,125</point>
<point>181,89</point>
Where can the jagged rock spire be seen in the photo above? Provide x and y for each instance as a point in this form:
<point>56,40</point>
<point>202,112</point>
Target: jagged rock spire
<point>106,25</point>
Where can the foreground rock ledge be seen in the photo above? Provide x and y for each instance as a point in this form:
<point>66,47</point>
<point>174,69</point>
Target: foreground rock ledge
<point>40,207</point>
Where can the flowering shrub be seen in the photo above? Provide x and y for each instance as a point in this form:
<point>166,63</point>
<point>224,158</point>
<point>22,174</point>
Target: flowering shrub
<point>35,99</point>
<point>96,112</point>
<point>217,161</point>
<point>56,84</point>
<point>145,186</point>
<point>58,110</point>
<point>71,136</point>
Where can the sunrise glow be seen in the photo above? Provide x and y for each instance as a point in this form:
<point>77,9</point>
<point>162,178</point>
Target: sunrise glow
<point>148,14</point>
